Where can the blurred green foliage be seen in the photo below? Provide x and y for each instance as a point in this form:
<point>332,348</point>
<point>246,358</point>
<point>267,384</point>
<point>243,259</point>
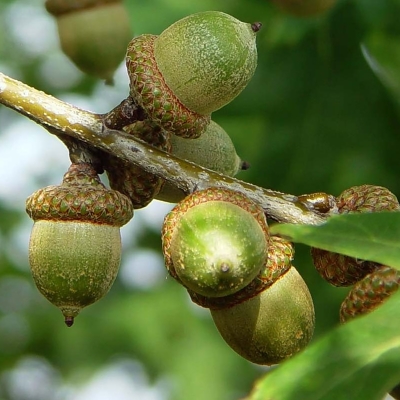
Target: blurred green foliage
<point>314,118</point>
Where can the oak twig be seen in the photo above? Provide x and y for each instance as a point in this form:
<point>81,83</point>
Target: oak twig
<point>62,119</point>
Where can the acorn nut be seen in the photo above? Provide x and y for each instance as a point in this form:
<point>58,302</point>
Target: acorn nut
<point>272,326</point>
<point>75,244</point>
<point>93,34</point>
<point>215,241</point>
<point>214,150</point>
<point>194,67</point>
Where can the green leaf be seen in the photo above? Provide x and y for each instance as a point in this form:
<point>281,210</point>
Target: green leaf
<point>382,53</point>
<point>360,360</point>
<point>369,236</point>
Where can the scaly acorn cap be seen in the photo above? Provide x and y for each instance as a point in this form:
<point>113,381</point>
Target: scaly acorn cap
<point>367,198</point>
<point>140,186</point>
<point>148,88</point>
<point>272,326</point>
<point>370,292</point>
<point>93,34</point>
<point>214,150</point>
<point>215,241</point>
<point>279,261</point>
<point>75,244</point>
<point>340,270</point>
<point>207,59</point>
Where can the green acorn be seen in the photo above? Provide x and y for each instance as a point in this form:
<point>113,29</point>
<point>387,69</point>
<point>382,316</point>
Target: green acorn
<point>194,67</point>
<point>75,244</point>
<point>94,34</point>
<point>140,186</point>
<point>340,270</point>
<point>270,319</point>
<point>279,261</point>
<point>215,241</point>
<point>304,8</point>
<point>272,326</point>
<point>214,150</point>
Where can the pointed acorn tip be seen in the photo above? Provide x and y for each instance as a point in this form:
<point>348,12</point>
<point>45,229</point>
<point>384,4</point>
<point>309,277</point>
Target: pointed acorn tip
<point>256,26</point>
<point>69,321</point>
<point>245,166</point>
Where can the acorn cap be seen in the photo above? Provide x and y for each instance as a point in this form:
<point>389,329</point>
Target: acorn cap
<point>367,198</point>
<point>338,269</point>
<point>140,186</point>
<point>215,241</point>
<point>148,88</point>
<point>370,292</point>
<point>81,197</point>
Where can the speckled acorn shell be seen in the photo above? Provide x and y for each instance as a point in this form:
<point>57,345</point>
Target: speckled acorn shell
<point>214,150</point>
<point>207,59</point>
<point>75,244</point>
<point>272,326</point>
<point>215,241</point>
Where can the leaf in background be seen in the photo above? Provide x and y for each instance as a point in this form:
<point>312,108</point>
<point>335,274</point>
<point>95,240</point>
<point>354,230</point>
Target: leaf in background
<point>360,360</point>
<point>382,53</point>
<point>369,236</point>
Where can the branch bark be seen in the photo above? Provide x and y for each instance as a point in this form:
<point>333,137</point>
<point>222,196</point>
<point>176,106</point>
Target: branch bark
<point>62,118</point>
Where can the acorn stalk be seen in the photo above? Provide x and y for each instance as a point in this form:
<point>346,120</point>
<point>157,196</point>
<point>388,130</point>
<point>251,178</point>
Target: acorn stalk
<point>75,244</point>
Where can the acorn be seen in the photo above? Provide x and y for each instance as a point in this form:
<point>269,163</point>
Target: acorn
<point>194,67</point>
<point>93,34</point>
<point>270,319</point>
<point>279,261</point>
<point>215,241</point>
<point>271,326</point>
<point>370,292</point>
<point>75,244</point>
<point>214,150</point>
<point>340,270</point>
<point>304,8</point>
<point>140,186</point>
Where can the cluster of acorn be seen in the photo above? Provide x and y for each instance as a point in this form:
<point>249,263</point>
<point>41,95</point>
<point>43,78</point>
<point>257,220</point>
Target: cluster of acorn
<point>216,242</point>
